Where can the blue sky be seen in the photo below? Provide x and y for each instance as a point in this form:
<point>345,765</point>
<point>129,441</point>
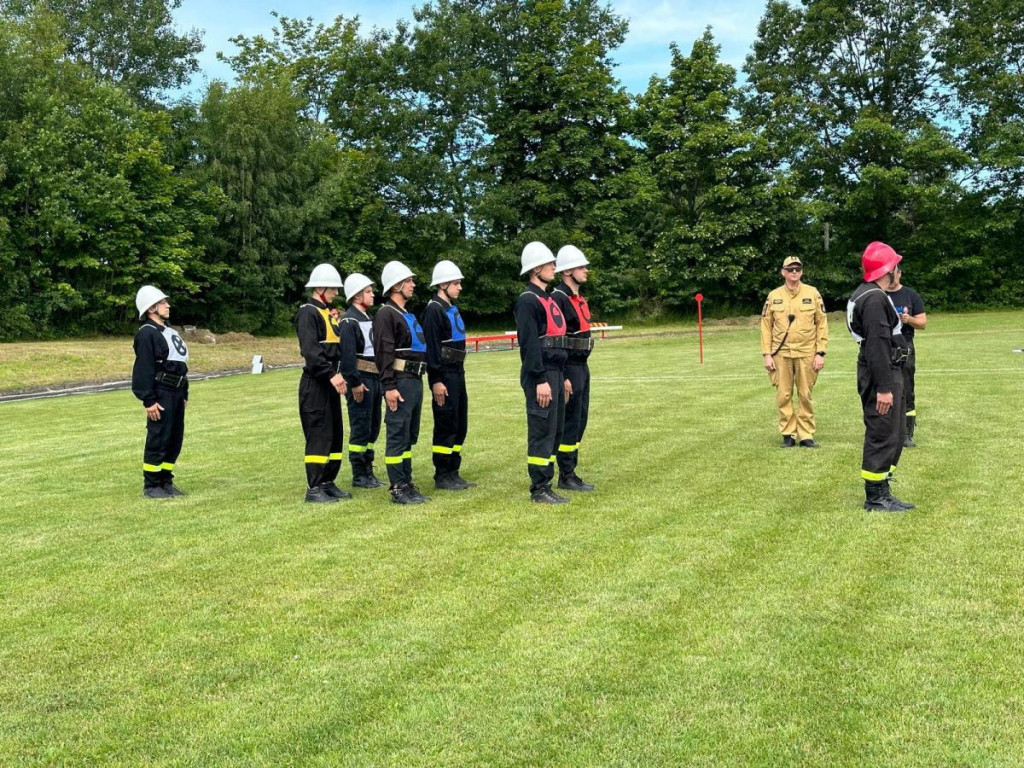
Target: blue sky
<point>653,25</point>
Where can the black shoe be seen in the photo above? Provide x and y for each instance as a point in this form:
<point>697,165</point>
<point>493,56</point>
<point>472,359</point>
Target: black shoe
<point>908,441</point>
<point>319,495</point>
<point>547,496</point>
<point>904,504</point>
<point>573,482</point>
<point>172,489</point>
<point>808,443</point>
<point>157,492</point>
<point>335,491</point>
<point>463,481</point>
<point>788,441</point>
<point>878,498</point>
<point>449,482</point>
<point>366,481</point>
<point>403,494</point>
<point>417,492</point>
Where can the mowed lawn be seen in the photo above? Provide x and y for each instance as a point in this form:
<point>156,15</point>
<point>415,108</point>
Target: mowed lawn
<point>718,601</point>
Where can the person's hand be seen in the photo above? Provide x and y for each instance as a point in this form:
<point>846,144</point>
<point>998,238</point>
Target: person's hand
<point>153,412</point>
<point>883,402</point>
<point>393,398</point>
<point>819,363</point>
<point>440,393</point>
<point>338,382</point>
<point>905,319</point>
<point>769,363</point>
<point>359,392</point>
<point>567,388</point>
<point>544,394</point>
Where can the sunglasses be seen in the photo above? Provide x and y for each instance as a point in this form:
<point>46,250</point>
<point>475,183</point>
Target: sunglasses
<point>794,269</point>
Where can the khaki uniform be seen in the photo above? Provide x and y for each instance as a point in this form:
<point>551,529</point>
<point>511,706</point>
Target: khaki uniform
<point>793,346</point>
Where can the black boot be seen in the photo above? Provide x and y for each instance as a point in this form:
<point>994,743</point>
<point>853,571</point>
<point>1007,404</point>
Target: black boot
<point>463,481</point>
<point>788,441</point>
<point>904,504</point>
<point>449,482</point>
<point>319,495</point>
<point>333,490</point>
<point>908,441</point>
<point>157,492</point>
<point>366,481</point>
<point>878,498</point>
<point>417,492</point>
<point>172,489</point>
<point>546,496</point>
<point>403,494</point>
<point>573,482</point>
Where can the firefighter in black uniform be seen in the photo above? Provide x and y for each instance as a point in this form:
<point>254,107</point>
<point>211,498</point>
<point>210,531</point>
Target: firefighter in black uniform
<point>445,334</point>
<point>321,386</point>
<point>160,381</point>
<point>910,307</point>
<point>401,353</point>
<point>876,327</point>
<point>540,328</point>
<point>359,367</point>
<point>572,265</point>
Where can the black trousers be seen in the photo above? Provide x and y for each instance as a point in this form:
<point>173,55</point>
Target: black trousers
<point>544,431</point>
<point>364,422</point>
<point>909,369</point>
<point>164,438</point>
<point>883,435</point>
<point>403,429</point>
<point>320,413</point>
<point>451,422</point>
<point>577,411</point>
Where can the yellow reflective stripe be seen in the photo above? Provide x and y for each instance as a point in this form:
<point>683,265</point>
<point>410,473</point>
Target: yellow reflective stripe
<point>316,459</point>
<point>407,455</point>
<point>356,448</point>
<point>392,459</point>
<point>456,448</point>
<point>553,459</point>
<point>537,461</point>
<point>876,477</point>
<point>442,449</point>
<point>336,456</point>
<point>912,413</point>
<point>165,465</point>
<point>564,448</point>
<point>150,467</point>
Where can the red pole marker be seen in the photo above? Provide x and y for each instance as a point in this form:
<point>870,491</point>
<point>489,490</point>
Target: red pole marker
<point>700,326</point>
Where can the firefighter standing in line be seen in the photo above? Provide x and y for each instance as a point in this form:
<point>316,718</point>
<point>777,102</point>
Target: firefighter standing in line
<point>321,386</point>
<point>794,339</point>
<point>359,367</point>
<point>160,381</point>
<point>540,328</point>
<point>401,354</point>
<point>910,308</point>
<point>445,335</point>
<point>876,327</point>
<point>572,265</point>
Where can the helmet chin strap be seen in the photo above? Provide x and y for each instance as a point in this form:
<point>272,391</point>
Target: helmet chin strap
<point>447,296</point>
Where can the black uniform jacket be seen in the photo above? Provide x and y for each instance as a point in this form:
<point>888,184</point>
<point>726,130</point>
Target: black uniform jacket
<point>151,353</point>
<point>353,345</point>
<point>392,338</point>
<point>317,329</point>
<point>531,326</point>
<point>875,318</point>
<point>437,330</point>
<point>562,293</point>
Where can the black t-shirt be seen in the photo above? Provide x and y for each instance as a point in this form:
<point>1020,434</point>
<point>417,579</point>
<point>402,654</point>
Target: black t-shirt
<point>909,301</point>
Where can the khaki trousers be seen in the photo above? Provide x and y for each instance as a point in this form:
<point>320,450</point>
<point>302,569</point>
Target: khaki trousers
<point>798,422</point>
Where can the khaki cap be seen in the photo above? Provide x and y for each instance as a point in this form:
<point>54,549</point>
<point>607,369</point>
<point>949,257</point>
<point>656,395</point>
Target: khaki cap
<point>791,260</point>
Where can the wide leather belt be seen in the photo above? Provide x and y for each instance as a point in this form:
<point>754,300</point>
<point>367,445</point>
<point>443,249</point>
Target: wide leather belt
<point>568,342</point>
<point>452,355</point>
<point>409,366</point>
<point>171,379</point>
<point>366,366</point>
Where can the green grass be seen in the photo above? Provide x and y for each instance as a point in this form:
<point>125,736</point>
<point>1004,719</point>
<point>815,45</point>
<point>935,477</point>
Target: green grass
<point>718,601</point>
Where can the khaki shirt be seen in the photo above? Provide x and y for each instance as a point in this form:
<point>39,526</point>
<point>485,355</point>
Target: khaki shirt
<point>809,331</point>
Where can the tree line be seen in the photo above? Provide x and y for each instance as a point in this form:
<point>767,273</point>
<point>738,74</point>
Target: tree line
<point>480,125</point>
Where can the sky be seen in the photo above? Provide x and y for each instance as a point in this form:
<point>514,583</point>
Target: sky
<point>653,25</point>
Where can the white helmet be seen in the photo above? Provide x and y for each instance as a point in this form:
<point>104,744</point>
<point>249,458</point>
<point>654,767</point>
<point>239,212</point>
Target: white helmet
<point>535,254</point>
<point>445,272</point>
<point>356,284</point>
<point>148,296</point>
<point>324,276</point>
<point>394,273</point>
<point>570,257</point>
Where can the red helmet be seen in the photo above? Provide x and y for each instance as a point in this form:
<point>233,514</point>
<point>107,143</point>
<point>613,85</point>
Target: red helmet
<point>878,259</point>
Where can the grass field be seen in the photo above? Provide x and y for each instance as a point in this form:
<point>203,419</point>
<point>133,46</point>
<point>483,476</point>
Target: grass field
<point>717,602</point>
